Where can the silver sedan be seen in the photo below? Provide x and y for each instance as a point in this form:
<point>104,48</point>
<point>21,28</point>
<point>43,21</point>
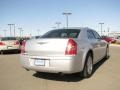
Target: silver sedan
<point>68,51</point>
<point>9,43</point>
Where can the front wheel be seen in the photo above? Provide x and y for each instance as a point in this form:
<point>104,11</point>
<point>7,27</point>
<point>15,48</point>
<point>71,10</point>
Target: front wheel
<point>88,67</point>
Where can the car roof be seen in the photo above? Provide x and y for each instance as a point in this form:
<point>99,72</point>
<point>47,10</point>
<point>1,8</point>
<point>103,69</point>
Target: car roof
<point>8,38</point>
<point>76,28</point>
<point>81,28</point>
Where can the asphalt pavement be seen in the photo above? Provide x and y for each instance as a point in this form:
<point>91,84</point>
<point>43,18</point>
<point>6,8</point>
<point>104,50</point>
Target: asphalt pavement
<point>106,76</point>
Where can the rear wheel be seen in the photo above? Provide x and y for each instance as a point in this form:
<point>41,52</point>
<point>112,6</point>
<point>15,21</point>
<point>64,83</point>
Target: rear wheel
<point>17,51</point>
<point>1,52</point>
<point>88,67</point>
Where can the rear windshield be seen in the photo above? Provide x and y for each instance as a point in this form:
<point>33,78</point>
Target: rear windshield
<point>62,33</point>
<point>8,38</point>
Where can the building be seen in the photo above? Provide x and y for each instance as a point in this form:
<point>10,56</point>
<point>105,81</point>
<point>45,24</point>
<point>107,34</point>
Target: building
<point>114,33</point>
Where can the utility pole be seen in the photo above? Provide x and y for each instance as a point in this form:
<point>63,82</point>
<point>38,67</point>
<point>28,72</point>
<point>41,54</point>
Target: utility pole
<point>101,27</point>
<point>66,14</point>
<point>58,24</point>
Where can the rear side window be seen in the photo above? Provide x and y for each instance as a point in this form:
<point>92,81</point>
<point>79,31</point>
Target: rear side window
<point>62,33</point>
<point>90,34</point>
<point>97,36</point>
<point>8,38</point>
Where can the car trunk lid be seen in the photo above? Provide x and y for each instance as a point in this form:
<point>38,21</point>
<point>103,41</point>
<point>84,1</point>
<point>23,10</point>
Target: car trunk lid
<point>46,47</point>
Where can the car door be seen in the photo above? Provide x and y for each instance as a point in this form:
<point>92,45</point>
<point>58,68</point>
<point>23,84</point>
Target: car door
<point>95,45</point>
<point>101,45</point>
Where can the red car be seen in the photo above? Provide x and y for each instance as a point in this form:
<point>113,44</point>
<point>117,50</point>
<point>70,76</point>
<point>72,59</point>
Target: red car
<point>109,39</point>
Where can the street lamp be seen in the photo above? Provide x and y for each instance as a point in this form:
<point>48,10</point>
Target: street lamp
<point>58,24</point>
<point>14,30</point>
<point>38,32</point>
<point>20,31</point>
<point>101,27</point>
<point>108,31</point>
<point>10,28</point>
<point>66,14</point>
<point>4,33</point>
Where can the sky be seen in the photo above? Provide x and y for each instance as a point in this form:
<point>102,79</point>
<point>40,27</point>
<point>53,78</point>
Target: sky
<point>34,15</point>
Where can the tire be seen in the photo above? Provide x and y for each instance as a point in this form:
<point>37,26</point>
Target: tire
<point>1,52</point>
<point>88,67</point>
<point>17,51</point>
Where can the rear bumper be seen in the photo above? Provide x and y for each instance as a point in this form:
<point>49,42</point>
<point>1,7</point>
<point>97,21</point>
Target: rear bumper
<point>65,64</point>
<point>5,48</point>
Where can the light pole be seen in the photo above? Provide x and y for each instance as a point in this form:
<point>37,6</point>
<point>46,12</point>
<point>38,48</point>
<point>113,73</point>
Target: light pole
<point>66,14</point>
<point>4,33</point>
<point>108,31</point>
<point>10,28</point>
<point>14,30</point>
<point>101,27</point>
<point>58,24</point>
<point>38,32</point>
<point>20,31</point>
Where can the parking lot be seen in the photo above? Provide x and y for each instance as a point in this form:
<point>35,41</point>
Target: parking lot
<point>106,76</point>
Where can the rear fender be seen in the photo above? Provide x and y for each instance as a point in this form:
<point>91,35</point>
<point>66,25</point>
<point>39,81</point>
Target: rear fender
<point>86,51</point>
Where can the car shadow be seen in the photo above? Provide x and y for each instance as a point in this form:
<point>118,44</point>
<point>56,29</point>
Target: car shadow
<point>97,65</point>
<point>66,77</point>
<point>58,77</point>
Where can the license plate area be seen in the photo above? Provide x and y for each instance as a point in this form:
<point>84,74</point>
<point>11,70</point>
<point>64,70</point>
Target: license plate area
<point>39,62</point>
<point>9,47</point>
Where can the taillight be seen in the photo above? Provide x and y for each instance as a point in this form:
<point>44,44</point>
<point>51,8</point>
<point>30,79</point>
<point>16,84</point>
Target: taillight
<point>23,47</point>
<point>16,43</point>
<point>1,43</point>
<point>71,48</point>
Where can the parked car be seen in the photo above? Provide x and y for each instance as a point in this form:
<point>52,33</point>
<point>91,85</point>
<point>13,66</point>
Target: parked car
<point>9,43</point>
<point>65,51</point>
<point>109,39</point>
